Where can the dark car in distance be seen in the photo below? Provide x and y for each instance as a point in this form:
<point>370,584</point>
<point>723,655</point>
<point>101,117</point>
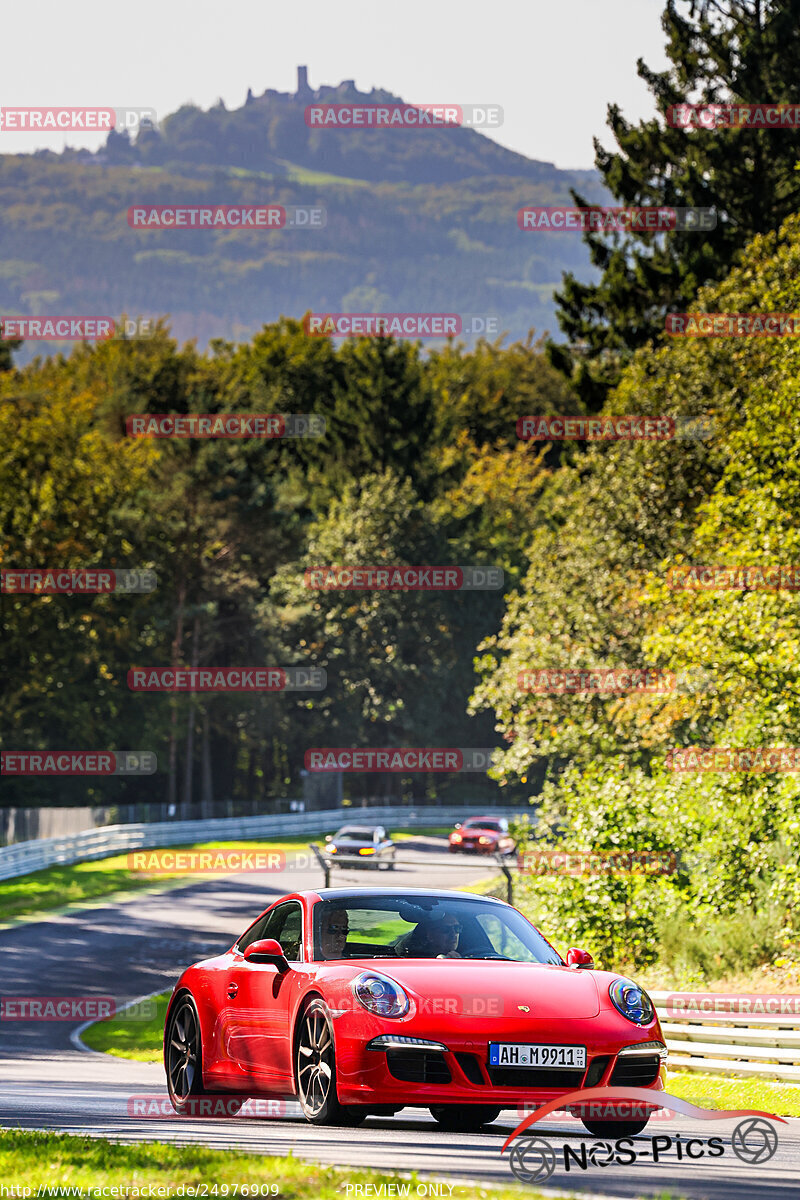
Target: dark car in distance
<point>362,846</point>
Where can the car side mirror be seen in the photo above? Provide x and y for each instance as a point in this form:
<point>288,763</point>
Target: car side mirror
<point>328,837</point>
<point>267,950</point>
<point>458,825</point>
<point>579,958</point>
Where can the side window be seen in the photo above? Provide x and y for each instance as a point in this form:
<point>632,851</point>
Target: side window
<point>503,940</point>
<point>254,932</point>
<point>285,924</point>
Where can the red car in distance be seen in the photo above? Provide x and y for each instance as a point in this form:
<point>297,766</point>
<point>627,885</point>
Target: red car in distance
<point>358,1002</point>
<point>482,835</point>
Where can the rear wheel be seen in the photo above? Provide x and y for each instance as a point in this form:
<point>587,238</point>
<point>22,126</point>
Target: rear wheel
<point>183,1056</point>
<point>463,1119</point>
<point>615,1129</point>
<point>315,1071</point>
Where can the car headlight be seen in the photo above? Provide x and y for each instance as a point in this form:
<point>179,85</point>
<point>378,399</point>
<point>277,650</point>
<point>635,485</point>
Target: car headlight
<point>455,837</point>
<point>629,1000</point>
<point>380,995</point>
<point>366,850</point>
<point>484,841</point>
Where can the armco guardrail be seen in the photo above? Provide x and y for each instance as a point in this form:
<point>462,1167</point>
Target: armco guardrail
<point>24,857</point>
<point>718,1042</point>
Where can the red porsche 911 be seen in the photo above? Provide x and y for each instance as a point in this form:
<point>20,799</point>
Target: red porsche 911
<point>365,1001</point>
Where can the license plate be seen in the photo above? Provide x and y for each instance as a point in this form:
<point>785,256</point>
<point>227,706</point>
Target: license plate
<point>535,1054</point>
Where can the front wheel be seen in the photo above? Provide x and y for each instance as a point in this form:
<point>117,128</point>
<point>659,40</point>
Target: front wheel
<point>315,1072</point>
<point>464,1119</point>
<point>183,1056</point>
<point>615,1129</point>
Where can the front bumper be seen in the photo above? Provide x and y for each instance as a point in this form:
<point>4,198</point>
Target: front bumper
<point>460,1073</point>
<point>357,860</point>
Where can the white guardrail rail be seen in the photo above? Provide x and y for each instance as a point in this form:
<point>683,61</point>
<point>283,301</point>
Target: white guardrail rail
<point>713,1042</point>
<point>22,858</point>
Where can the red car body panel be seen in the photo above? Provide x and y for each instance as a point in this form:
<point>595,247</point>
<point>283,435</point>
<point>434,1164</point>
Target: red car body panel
<point>248,1039</point>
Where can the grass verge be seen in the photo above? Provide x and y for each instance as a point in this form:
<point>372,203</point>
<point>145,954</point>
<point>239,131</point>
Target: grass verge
<point>56,887</point>
<point>63,1161</point>
<point>726,1091</point>
<point>127,1037</point>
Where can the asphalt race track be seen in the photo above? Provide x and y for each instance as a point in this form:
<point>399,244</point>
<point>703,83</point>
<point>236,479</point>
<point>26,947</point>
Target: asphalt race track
<point>137,946</point>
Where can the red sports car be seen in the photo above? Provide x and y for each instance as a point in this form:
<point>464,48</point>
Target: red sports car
<point>482,835</point>
<point>365,1001</point>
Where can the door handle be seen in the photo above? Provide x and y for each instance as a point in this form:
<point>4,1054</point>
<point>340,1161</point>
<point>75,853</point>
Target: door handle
<point>233,988</point>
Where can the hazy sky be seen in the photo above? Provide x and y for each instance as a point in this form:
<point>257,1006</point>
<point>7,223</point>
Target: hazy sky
<point>553,66</point>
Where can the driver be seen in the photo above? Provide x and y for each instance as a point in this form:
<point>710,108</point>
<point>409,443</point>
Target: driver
<point>435,937</point>
<point>333,931</point>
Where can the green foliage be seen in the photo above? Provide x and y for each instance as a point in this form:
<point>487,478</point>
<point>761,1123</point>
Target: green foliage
<point>732,51</point>
<point>229,526</point>
<point>613,521</point>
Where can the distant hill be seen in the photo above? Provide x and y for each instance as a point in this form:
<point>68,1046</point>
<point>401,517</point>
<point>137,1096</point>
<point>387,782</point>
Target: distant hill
<point>417,220</point>
<point>271,129</point>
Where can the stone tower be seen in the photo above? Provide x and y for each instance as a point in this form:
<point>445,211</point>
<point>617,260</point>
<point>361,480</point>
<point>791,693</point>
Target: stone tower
<point>303,90</point>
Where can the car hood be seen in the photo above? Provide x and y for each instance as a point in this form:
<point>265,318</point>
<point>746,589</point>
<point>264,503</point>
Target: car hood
<point>549,991</point>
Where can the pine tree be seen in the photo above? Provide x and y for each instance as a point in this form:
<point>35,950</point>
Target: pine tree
<point>721,51</point>
<point>7,346</point>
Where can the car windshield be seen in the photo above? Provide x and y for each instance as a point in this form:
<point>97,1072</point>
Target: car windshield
<point>493,825</point>
<point>354,835</point>
<point>425,927</point>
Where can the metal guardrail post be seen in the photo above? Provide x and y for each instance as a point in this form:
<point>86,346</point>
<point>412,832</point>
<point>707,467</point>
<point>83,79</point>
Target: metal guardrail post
<point>504,867</point>
<point>323,862</point>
